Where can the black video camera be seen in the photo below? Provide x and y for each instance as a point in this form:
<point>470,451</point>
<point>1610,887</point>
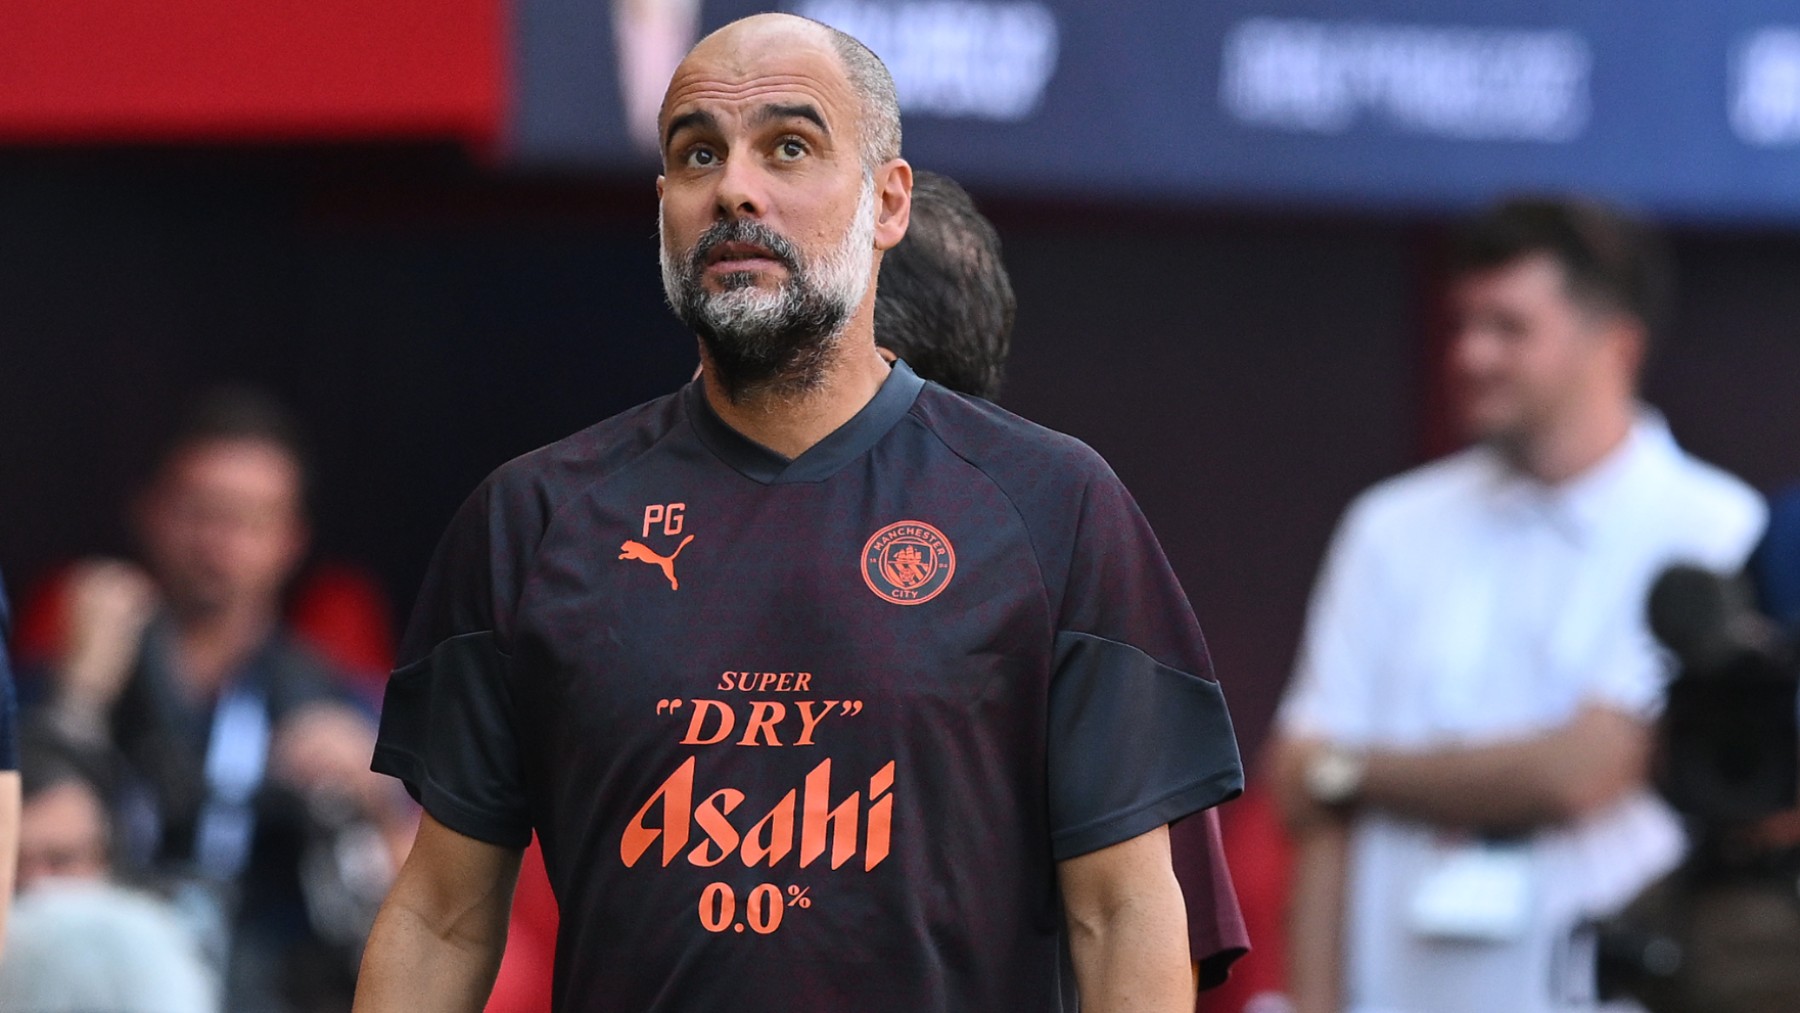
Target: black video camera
<point>1721,934</point>
<point>1730,734</point>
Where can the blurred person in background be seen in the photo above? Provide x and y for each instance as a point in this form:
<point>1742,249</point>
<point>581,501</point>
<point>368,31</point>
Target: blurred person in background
<point>943,302</point>
<point>65,827</point>
<point>88,944</point>
<point>241,759</point>
<point>1462,756</point>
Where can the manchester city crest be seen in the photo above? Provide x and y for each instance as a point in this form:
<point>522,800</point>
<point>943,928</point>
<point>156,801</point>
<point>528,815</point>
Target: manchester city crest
<point>908,562</point>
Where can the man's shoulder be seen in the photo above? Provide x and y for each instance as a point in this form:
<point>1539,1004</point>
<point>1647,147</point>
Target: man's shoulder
<point>1712,492</point>
<point>543,479</point>
<point>1711,503</point>
<point>1014,452</point>
<point>1426,493</point>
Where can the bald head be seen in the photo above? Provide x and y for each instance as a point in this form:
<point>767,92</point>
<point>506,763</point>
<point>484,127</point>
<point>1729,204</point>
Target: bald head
<point>739,46</point>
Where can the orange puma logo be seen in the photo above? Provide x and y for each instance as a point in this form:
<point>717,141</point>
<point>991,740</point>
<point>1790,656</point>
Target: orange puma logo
<point>644,554</point>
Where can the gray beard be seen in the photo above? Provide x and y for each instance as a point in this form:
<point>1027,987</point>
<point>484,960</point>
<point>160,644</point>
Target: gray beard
<point>777,342</point>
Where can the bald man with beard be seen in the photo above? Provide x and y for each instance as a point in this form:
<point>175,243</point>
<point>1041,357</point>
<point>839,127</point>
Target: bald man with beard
<point>824,688</point>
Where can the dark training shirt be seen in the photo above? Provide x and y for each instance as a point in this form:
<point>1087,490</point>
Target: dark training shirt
<point>812,734</point>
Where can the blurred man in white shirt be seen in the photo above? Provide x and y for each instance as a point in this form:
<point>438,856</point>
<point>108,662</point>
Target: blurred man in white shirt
<point>1462,755</point>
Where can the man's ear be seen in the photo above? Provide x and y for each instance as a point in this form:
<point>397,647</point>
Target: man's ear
<point>659,187</point>
<point>1629,341</point>
<point>893,191</point>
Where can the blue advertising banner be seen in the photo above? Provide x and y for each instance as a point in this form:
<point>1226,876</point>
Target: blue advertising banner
<point>1690,110</point>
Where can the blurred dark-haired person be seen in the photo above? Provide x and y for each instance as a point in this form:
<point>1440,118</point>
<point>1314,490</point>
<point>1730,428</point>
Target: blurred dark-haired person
<point>86,942</point>
<point>229,738</point>
<point>1462,754</point>
<point>65,829</point>
<point>944,303</point>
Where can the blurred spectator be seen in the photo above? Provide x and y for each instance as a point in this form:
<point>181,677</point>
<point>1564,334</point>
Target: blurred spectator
<point>944,303</point>
<point>87,944</point>
<point>1463,752</point>
<point>91,947</point>
<point>65,832</point>
<point>243,765</point>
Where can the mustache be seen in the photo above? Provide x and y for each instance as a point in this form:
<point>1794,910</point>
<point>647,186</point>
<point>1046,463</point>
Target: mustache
<point>743,230</point>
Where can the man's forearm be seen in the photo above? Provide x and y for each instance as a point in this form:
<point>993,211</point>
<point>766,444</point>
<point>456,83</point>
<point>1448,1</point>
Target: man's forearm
<point>1135,961</point>
<point>1488,788</point>
<point>439,937</point>
<point>1128,928</point>
<point>1316,916</point>
<point>1517,785</point>
<point>409,966</point>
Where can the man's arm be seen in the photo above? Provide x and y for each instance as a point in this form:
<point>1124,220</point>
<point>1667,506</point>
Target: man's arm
<point>1557,777</point>
<point>1318,877</point>
<point>1315,917</point>
<point>437,942</point>
<point>1127,928</point>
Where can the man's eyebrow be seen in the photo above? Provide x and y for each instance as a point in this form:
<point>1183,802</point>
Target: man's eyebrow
<point>797,111</point>
<point>699,118</point>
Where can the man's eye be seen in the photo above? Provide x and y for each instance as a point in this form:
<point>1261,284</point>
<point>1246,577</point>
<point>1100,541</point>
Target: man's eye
<point>700,158</point>
<point>790,149</point>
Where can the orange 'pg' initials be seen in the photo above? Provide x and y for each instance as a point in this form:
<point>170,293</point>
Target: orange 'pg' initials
<point>669,515</point>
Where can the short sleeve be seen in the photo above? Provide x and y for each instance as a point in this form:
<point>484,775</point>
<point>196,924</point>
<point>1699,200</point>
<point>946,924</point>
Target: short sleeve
<point>1216,933</point>
<point>1333,687</point>
<point>1630,674</point>
<point>447,728</point>
<point>1139,735</point>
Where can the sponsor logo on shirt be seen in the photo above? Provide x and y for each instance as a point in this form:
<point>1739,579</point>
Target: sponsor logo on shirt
<point>908,562</point>
<point>670,517</point>
<point>695,820</point>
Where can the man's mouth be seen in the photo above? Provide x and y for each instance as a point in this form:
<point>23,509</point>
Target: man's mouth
<point>736,256</point>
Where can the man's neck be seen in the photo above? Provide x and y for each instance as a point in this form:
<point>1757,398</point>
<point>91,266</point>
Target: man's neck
<point>792,423</point>
<point>210,647</point>
<point>1581,442</point>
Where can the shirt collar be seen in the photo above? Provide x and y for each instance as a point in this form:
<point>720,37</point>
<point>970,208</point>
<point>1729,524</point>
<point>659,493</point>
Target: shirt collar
<point>1584,505</point>
<point>844,444</point>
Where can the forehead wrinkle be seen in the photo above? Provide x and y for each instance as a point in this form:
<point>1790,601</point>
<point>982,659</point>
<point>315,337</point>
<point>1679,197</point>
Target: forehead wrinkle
<point>741,84</point>
<point>732,93</point>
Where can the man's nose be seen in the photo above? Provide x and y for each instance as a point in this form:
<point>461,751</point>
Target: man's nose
<point>741,192</point>
<point>1470,350</point>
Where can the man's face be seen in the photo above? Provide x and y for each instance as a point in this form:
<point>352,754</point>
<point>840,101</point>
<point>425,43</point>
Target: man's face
<point>223,525</point>
<point>1523,352</point>
<point>768,214</point>
<point>62,835</point>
